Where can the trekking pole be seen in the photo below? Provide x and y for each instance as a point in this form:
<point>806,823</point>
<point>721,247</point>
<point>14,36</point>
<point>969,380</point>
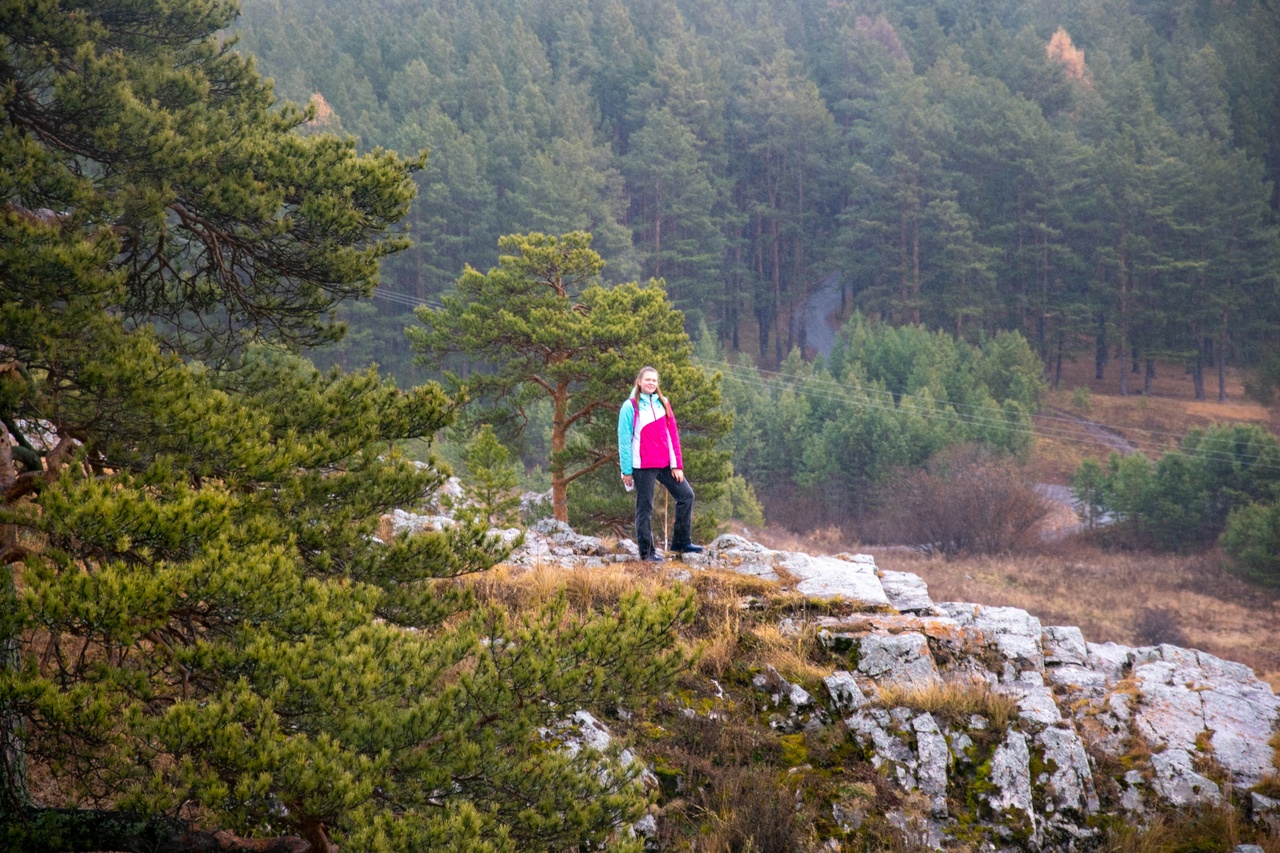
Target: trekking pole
<point>666,536</point>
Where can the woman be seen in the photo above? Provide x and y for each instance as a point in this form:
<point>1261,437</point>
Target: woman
<point>648,451</point>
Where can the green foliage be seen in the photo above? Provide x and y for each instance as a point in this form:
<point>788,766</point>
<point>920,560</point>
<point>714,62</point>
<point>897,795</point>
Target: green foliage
<point>196,617</point>
<point>816,439</point>
<point>1088,486</point>
<point>1252,540</point>
<point>1081,399</point>
<point>491,478</point>
<point>739,502</point>
<point>1183,500</point>
<point>543,328</point>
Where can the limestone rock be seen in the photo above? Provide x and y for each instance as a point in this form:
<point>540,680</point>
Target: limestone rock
<point>1076,700</point>
<point>845,692</point>
<point>897,659</point>
<point>829,577</point>
<point>1015,633</point>
<point>402,521</point>
<point>1011,776</point>
<point>1064,645</point>
<point>1178,783</point>
<point>1070,783</point>
<point>934,758</point>
<point>743,556</point>
<point>907,593</point>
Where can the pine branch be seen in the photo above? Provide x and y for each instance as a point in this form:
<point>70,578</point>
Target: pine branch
<point>75,830</point>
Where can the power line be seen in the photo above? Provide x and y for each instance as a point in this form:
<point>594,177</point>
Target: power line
<point>882,400</point>
<point>897,396</point>
<point>405,299</point>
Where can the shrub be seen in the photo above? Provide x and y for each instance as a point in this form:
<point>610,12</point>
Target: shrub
<point>966,501</point>
<point>739,502</point>
<point>1158,625</point>
<point>1252,541</point>
<point>1088,486</point>
<point>1184,500</point>
<point>816,438</point>
<point>492,478</point>
<point>1081,400</point>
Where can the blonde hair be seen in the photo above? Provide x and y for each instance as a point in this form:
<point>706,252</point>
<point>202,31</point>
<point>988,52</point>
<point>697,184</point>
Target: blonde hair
<point>635,388</point>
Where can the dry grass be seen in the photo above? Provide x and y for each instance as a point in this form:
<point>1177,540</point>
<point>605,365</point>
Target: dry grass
<point>1152,423</point>
<point>790,654</point>
<point>736,623</point>
<point>955,701</point>
<point>1212,827</point>
<point>830,540</point>
<point>520,590</point>
<point>1112,595</point>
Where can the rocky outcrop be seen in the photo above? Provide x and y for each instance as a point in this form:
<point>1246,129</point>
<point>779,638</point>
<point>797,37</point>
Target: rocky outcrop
<point>1095,728</point>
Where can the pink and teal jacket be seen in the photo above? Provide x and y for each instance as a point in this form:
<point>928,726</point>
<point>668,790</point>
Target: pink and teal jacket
<point>647,435</point>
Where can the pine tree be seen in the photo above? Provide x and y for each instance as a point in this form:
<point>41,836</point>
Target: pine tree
<point>201,640</point>
<point>491,478</point>
<point>540,326</point>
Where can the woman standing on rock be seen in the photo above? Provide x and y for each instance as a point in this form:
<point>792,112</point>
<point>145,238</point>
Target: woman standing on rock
<point>649,451</point>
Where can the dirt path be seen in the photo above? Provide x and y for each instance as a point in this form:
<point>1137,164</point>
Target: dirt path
<point>1051,419</point>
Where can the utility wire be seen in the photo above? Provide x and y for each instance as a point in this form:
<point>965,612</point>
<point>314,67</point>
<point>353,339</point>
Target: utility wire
<point>895,396</point>
<point>882,400</point>
<point>959,414</point>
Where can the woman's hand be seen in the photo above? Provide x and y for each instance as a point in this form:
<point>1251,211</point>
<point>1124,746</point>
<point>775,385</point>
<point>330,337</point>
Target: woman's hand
<point>628,481</point>
<point>678,473</point>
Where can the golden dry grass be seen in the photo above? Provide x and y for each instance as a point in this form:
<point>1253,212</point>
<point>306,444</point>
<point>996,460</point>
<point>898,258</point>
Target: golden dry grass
<point>1110,595</point>
<point>1211,827</point>
<point>519,590</point>
<point>952,700</point>
<point>736,617</point>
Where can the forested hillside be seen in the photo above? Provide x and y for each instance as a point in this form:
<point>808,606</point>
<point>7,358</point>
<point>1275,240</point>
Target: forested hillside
<point>1101,175</point>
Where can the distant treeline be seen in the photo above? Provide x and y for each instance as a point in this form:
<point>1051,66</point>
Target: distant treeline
<point>1100,175</point>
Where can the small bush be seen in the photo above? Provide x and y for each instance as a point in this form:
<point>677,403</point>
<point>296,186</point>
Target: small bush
<point>1252,541</point>
<point>966,501</point>
<point>1184,500</point>
<point>1080,399</point>
<point>1157,625</point>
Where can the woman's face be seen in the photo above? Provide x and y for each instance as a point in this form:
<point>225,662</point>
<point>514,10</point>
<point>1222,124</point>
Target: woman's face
<point>649,382</point>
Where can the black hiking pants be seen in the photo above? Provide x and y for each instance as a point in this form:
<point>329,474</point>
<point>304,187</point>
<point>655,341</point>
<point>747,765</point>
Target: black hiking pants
<point>682,535</point>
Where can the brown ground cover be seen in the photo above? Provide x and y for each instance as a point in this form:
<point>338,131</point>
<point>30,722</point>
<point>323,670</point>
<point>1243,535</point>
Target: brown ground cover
<point>1136,599</point>
<point>1129,598</point>
<point>1151,423</point>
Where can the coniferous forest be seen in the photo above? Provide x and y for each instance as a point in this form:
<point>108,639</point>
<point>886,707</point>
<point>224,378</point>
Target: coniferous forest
<point>1101,176</point>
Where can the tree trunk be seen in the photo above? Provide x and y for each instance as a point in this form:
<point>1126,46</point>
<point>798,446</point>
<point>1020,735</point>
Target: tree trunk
<point>15,794</point>
<point>657,231</point>
<point>1197,372</point>
<point>915,273</point>
<point>776,259</point>
<point>1220,360</point>
<point>559,440</point>
<point>1148,376</point>
<point>1100,349</point>
<point>1057,366</point>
